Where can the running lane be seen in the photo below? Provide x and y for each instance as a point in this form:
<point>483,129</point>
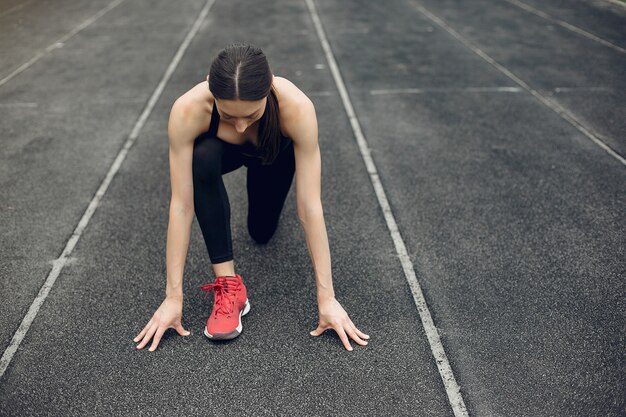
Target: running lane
<point>585,77</point>
<point>78,359</point>
<point>30,26</point>
<point>601,18</point>
<point>63,122</point>
<point>513,218</point>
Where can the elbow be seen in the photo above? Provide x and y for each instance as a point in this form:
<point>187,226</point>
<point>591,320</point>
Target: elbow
<point>309,210</point>
<point>179,208</point>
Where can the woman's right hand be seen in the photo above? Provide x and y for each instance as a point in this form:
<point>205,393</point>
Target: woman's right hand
<point>168,315</point>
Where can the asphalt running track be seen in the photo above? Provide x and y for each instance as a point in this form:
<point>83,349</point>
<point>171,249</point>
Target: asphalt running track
<point>473,190</point>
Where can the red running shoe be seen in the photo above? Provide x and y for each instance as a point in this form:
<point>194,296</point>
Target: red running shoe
<point>230,303</point>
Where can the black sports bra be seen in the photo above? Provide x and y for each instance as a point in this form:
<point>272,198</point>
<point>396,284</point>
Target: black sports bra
<point>250,148</point>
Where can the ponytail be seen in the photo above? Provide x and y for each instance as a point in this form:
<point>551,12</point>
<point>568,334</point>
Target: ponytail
<point>269,130</point>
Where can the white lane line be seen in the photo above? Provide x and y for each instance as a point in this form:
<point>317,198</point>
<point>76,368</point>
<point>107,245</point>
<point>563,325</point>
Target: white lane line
<point>553,105</point>
<point>93,205</point>
<point>15,8</point>
<point>59,42</point>
<point>452,388</point>
<point>385,91</point>
<point>446,90</point>
<point>564,24</point>
<point>619,2</point>
<point>574,89</point>
<point>25,104</point>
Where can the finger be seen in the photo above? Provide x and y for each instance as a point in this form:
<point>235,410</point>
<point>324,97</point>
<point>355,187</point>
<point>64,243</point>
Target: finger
<point>181,331</point>
<point>350,330</point>
<point>145,329</point>
<point>360,333</point>
<point>148,335</point>
<point>157,338</point>
<point>343,337</point>
<point>320,329</point>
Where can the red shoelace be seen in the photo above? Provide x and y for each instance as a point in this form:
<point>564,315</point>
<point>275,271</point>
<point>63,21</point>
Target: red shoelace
<point>225,293</point>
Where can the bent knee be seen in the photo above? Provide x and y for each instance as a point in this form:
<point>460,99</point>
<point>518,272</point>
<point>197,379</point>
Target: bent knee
<point>261,235</point>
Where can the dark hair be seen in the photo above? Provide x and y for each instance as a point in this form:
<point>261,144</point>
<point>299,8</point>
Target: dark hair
<point>241,71</point>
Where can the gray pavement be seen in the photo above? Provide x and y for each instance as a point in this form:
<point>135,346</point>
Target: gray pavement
<point>64,121</point>
<point>513,218</point>
<point>27,27</point>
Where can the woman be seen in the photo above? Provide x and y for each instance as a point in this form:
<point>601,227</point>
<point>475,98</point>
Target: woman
<point>230,120</point>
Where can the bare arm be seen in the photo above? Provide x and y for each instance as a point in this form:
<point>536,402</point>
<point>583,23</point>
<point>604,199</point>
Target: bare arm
<point>169,314</point>
<point>308,197</point>
<point>181,210</point>
<point>309,205</point>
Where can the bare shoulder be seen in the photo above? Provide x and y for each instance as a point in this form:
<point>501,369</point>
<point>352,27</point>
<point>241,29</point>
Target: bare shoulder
<point>291,98</point>
<point>190,114</point>
<point>296,109</point>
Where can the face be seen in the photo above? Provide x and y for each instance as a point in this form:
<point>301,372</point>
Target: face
<point>241,113</point>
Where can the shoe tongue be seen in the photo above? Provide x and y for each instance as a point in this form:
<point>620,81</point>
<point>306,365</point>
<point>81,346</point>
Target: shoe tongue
<point>225,282</point>
<point>226,287</point>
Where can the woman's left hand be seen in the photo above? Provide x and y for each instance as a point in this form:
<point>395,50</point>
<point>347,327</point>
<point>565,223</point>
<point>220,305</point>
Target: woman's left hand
<point>332,315</point>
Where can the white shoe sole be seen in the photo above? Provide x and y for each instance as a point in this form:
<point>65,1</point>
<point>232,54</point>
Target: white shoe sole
<point>234,333</point>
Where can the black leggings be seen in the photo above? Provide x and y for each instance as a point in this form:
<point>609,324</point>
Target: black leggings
<point>267,187</point>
